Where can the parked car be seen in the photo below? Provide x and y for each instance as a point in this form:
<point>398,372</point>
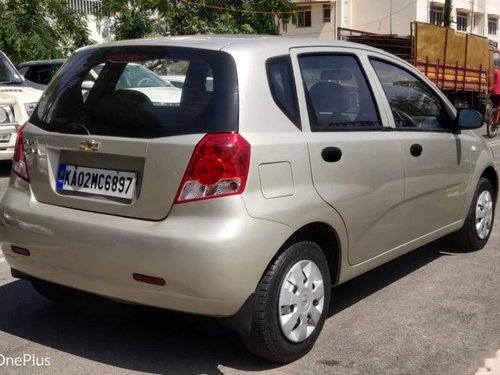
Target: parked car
<point>308,163</point>
<point>39,73</point>
<point>139,78</point>
<point>17,102</point>
<point>176,80</point>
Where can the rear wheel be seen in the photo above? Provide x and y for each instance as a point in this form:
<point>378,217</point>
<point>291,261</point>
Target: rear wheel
<point>493,123</point>
<point>291,304</point>
<point>54,292</point>
<point>479,222</point>
<point>487,109</point>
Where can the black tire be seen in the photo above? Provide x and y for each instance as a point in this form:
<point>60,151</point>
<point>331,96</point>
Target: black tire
<point>467,239</point>
<point>492,124</point>
<point>487,109</point>
<point>267,339</point>
<point>53,292</point>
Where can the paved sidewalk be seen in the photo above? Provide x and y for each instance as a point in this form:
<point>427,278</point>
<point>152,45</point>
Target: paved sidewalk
<point>491,366</point>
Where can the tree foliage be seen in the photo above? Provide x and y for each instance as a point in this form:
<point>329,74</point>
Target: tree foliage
<point>447,18</point>
<point>40,29</point>
<point>136,19</point>
<point>142,18</point>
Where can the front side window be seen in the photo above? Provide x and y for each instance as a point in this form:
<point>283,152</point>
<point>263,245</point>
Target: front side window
<point>126,92</point>
<point>413,103</point>
<point>337,93</point>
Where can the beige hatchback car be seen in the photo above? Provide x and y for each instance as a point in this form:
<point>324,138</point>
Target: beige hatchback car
<point>285,167</point>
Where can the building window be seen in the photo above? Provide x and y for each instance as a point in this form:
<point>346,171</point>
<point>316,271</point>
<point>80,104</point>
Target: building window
<point>84,7</point>
<point>327,12</point>
<point>304,17</point>
<point>478,20</point>
<point>492,25</point>
<point>462,21</point>
<point>436,16</point>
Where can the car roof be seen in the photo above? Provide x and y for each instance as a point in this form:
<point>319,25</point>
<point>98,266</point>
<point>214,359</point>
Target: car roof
<point>230,42</point>
<point>42,62</point>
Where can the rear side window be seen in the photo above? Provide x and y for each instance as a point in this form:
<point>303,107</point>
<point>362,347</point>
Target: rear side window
<point>282,85</point>
<point>125,92</point>
<point>41,74</point>
<point>337,93</point>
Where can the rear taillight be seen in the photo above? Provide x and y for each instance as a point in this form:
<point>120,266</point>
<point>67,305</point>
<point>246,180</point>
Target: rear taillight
<point>218,167</point>
<point>19,159</point>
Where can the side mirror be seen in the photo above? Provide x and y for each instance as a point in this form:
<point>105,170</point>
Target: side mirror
<point>469,119</point>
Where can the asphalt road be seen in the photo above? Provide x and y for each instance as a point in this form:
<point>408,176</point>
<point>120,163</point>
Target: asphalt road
<point>432,311</point>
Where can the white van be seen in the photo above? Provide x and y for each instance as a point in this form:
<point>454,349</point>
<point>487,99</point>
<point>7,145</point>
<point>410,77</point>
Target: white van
<point>17,102</point>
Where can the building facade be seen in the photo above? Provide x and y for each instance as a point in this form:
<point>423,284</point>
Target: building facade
<point>316,18</point>
<point>99,28</point>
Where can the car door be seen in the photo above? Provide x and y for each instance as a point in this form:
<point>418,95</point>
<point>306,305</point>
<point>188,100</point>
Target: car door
<point>356,162</point>
<point>437,159</point>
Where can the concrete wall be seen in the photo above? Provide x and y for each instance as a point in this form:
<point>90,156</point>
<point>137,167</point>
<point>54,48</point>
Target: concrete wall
<point>493,8</point>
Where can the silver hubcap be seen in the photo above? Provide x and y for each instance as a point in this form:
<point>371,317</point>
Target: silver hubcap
<point>484,214</point>
<point>301,301</point>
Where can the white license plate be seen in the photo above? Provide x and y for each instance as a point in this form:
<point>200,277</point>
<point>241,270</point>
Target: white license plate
<point>109,182</point>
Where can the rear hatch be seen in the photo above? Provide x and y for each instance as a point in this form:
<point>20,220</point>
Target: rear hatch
<point>110,135</point>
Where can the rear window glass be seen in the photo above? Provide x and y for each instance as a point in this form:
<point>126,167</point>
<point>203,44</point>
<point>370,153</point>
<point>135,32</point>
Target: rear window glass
<point>126,92</point>
<point>282,85</point>
<point>41,74</point>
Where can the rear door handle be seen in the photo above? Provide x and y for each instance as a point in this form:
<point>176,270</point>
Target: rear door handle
<point>331,154</point>
<point>416,150</point>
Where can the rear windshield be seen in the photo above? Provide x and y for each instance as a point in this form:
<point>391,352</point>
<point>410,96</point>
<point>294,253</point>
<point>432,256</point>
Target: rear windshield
<point>125,92</point>
<point>8,74</point>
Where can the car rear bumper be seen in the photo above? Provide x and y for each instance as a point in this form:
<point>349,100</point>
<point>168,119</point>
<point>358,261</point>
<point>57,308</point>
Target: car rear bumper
<point>211,253</point>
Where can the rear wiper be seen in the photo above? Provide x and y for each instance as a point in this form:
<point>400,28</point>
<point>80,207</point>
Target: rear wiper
<point>72,127</point>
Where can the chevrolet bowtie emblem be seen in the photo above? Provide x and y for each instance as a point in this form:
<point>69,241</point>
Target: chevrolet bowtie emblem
<point>89,146</point>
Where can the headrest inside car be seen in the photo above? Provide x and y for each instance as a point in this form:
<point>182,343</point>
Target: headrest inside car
<point>336,75</point>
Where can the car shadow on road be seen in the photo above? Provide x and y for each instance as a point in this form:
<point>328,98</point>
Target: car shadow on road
<point>157,341</point>
<point>368,283</point>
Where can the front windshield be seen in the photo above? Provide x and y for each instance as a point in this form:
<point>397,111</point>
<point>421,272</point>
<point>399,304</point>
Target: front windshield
<point>8,73</point>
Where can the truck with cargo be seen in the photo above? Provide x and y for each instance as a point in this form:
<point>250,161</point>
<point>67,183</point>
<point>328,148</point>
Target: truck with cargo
<point>466,67</point>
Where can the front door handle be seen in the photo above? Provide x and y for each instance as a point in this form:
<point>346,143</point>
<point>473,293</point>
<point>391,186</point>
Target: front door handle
<point>331,154</point>
<point>416,150</point>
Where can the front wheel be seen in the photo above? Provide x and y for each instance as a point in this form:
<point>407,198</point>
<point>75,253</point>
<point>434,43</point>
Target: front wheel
<point>479,222</point>
<point>291,304</point>
<point>493,123</point>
